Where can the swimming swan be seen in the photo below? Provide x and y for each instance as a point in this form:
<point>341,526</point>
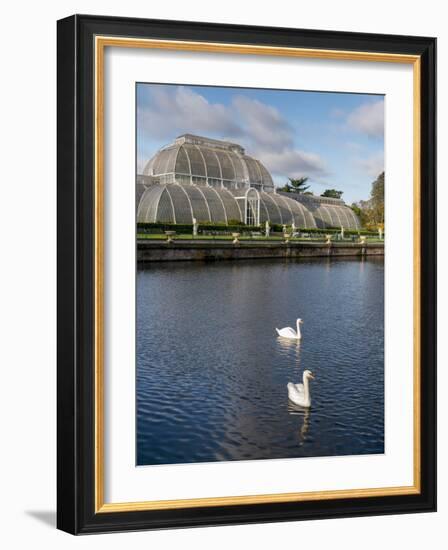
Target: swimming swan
<point>289,332</point>
<point>299,394</point>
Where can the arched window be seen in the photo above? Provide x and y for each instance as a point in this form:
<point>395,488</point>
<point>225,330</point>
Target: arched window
<point>252,207</point>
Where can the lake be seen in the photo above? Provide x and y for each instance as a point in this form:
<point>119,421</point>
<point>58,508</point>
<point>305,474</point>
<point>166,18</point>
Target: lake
<point>212,373</point>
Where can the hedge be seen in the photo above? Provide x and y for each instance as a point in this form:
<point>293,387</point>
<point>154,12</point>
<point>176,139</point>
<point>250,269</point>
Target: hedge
<point>188,228</point>
<point>241,228</point>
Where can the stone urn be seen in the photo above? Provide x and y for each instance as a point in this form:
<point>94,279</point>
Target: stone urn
<point>327,239</point>
<point>362,239</point>
<point>169,236</point>
<point>287,236</point>
<point>235,238</point>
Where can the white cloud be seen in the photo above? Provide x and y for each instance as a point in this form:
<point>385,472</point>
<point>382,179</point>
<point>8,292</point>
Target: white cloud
<point>263,125</point>
<point>368,119</point>
<point>294,163</point>
<point>181,110</point>
<point>259,127</point>
<point>372,165</point>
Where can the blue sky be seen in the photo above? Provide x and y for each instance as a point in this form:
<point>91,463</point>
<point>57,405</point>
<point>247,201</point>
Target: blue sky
<point>336,139</point>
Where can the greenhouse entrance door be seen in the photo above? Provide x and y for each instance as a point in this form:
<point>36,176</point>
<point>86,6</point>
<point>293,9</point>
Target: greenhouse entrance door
<point>252,203</point>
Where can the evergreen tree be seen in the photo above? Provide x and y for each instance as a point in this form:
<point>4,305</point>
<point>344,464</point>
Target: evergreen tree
<point>295,185</point>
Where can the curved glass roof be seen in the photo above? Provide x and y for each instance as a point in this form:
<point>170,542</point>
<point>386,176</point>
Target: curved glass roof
<point>180,203</point>
<point>328,212</point>
<point>207,179</point>
<point>336,216</point>
<point>214,161</point>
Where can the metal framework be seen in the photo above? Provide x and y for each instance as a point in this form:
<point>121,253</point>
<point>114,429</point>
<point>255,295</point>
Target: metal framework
<point>216,181</point>
<point>198,160</point>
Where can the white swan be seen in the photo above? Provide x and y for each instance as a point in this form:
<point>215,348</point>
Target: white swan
<point>299,394</point>
<point>289,332</point>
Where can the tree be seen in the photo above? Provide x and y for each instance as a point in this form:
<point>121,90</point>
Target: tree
<point>361,209</point>
<point>295,185</point>
<point>332,193</point>
<point>371,212</point>
<point>377,200</point>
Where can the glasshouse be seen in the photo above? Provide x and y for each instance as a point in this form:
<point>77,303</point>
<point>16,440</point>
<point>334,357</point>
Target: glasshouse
<point>216,181</point>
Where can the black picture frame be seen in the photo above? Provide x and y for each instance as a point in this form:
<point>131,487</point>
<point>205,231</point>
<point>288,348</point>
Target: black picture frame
<point>76,512</point>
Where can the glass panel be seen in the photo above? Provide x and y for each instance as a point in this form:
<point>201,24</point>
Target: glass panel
<point>269,204</point>
<point>284,210</point>
<point>345,220</point>
<point>148,169</point>
<point>199,180</point>
<point>160,162</point>
<point>333,216</point>
<point>254,173</point>
<point>238,166</point>
<point>139,190</point>
<point>182,207</point>
<point>266,176</point>
<point>310,220</point>
<point>215,204</point>
<point>264,214</point>
<point>230,204</point>
<point>214,183</point>
<point>297,212</point>
<point>308,208</point>
<point>182,165</point>
<point>353,218</point>
<point>211,162</point>
<point>183,179</point>
<point>228,173</point>
<point>198,203</point>
<point>287,214</point>
<point>324,215</point>
<point>231,185</point>
<point>320,222</point>
<point>170,160</point>
<point>167,178</point>
<point>164,209</point>
<point>196,161</point>
<point>146,212</point>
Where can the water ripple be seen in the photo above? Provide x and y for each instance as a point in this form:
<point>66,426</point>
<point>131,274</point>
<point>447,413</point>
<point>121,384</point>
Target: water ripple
<point>212,375</point>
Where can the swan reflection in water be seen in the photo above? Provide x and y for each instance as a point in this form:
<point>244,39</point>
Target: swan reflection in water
<point>304,414</point>
<point>289,347</point>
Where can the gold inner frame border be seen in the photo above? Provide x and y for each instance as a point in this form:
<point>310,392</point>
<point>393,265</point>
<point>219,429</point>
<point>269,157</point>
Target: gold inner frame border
<point>101,42</point>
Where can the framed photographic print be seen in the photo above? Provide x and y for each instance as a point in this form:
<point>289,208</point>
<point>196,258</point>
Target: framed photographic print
<point>246,274</point>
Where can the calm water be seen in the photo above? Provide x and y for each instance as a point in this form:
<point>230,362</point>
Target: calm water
<point>212,374</point>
